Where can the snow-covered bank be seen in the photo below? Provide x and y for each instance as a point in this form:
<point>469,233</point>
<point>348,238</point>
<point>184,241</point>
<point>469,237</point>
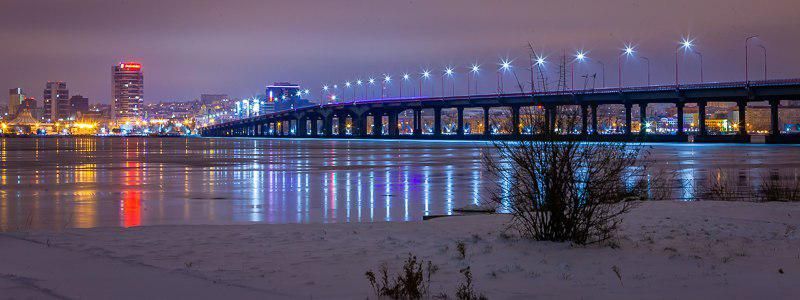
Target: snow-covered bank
<point>667,250</point>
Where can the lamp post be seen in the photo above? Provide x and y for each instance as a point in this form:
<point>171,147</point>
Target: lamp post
<point>358,83</point>
<point>474,71</point>
<point>602,72</point>
<point>580,56</point>
<point>405,78</point>
<point>686,43</point>
<point>505,65</point>
<point>448,72</point>
<point>700,55</point>
<point>371,81</point>
<point>384,83</point>
<point>765,60</point>
<point>628,51</point>
<point>424,75</point>
<point>540,61</point>
<point>347,84</point>
<point>747,57</point>
<point>647,60</point>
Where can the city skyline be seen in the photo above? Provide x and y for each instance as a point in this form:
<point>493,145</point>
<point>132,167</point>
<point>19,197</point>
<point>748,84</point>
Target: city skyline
<point>230,50</point>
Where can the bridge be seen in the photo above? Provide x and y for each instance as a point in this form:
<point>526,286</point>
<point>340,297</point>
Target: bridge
<point>498,116</point>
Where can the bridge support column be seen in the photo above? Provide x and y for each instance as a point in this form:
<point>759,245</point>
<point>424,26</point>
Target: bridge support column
<point>742,117</point>
<point>643,118</point>
<point>774,120</point>
<point>628,107</point>
<point>360,129</point>
<point>437,121</point>
<point>460,120</point>
<point>341,125</point>
<point>302,127</point>
<point>679,106</point>
<point>417,121</point>
<point>701,115</point>
<point>377,123</point>
<point>327,125</point>
<point>487,131</point>
<point>584,119</point>
<point>394,131</point>
<point>314,128</point>
<point>548,114</point>
<point>515,120</point>
<point>594,119</point>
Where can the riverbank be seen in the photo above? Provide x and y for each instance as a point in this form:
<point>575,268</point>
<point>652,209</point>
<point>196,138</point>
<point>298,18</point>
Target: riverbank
<point>666,250</point>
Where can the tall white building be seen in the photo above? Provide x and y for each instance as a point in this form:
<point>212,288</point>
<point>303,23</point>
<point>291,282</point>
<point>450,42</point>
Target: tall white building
<point>15,99</point>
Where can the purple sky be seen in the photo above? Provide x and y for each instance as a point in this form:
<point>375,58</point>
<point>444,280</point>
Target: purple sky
<point>189,47</point>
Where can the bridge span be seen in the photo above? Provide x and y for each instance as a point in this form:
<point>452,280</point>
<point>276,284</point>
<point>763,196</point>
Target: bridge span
<point>498,116</point>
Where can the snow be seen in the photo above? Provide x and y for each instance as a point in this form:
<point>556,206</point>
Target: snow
<point>666,250</point>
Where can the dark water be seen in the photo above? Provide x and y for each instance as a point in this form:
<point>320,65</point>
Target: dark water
<point>53,183</point>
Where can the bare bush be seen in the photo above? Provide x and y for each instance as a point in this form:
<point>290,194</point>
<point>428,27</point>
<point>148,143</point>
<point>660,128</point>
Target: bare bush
<point>774,189</point>
<point>465,290</point>
<point>411,283</point>
<point>567,189</point>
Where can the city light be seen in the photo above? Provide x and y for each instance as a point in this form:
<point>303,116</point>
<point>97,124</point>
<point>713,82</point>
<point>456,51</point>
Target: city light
<point>475,68</point>
<point>372,81</point>
<point>387,78</point>
<point>347,84</point>
<point>426,74</point>
<point>629,50</point>
<point>540,60</point>
<point>405,76</point>
<point>359,82</point>
<point>687,43</point>
<point>325,88</point>
<point>448,71</point>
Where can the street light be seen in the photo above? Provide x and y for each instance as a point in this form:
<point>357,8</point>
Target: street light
<point>540,61</point>
<point>746,58</point>
<point>371,81</point>
<point>405,78</point>
<point>647,60</point>
<point>474,71</point>
<point>580,56</point>
<point>347,84</point>
<point>686,43</point>
<point>627,52</point>
<point>424,75</point>
<point>505,66</point>
<point>700,55</point>
<point>448,72</point>
<point>765,60</point>
<point>386,80</point>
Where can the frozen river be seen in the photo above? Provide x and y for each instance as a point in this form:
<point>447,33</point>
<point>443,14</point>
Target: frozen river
<point>52,183</point>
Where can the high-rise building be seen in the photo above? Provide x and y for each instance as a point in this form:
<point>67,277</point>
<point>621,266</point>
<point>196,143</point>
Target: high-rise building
<point>15,98</point>
<point>56,101</point>
<point>128,90</point>
<point>29,104</point>
<point>79,105</point>
<point>285,95</point>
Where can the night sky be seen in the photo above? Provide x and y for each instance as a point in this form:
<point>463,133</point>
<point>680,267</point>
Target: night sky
<point>189,47</point>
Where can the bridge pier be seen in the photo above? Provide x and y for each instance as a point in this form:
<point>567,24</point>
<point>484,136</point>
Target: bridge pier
<point>394,131</point>
<point>679,106</point>
<point>302,129</point>
<point>643,118</point>
<point>774,120</point>
<point>486,127</point>
<point>360,127</point>
<point>314,127</point>
<point>437,121</point>
<point>515,120</point>
<point>742,118</point>
<point>341,124</point>
<point>594,119</point>
<point>417,122</point>
<point>327,125</point>
<point>377,123</point>
<point>460,120</point>
<point>701,114</point>
<point>628,107</point>
<point>584,121</point>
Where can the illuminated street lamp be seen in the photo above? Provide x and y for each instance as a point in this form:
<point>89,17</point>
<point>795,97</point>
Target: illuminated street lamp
<point>627,52</point>
<point>370,82</point>
<point>474,71</point>
<point>505,66</point>
<point>580,56</point>
<point>347,84</point>
<point>384,83</point>
<point>424,75</point>
<point>405,78</point>
<point>686,44</point>
<point>448,72</point>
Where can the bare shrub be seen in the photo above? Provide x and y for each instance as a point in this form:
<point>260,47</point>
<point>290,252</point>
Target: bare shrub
<point>722,188</point>
<point>465,290</point>
<point>568,189</point>
<point>410,283</point>
<point>774,189</point>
